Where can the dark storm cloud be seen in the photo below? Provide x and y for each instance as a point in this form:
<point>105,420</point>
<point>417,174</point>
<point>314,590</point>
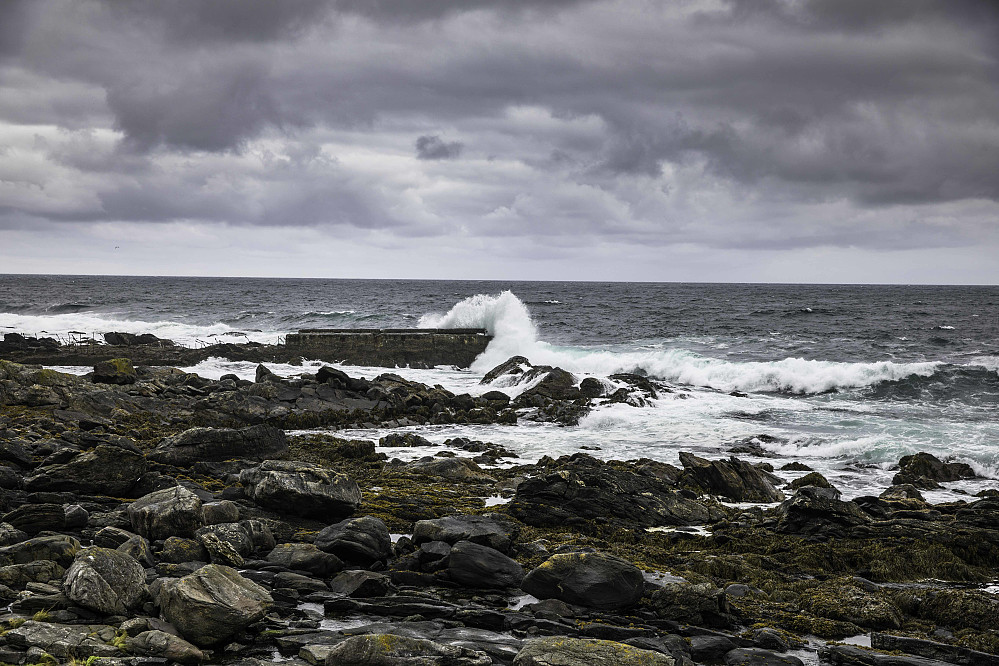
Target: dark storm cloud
<point>434,148</point>
<point>618,119</point>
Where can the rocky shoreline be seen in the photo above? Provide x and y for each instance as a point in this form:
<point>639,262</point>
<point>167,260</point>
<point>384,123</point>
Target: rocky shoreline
<point>152,516</point>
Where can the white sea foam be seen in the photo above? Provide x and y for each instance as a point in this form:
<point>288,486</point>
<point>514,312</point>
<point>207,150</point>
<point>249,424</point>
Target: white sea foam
<point>190,335</point>
<point>509,321</point>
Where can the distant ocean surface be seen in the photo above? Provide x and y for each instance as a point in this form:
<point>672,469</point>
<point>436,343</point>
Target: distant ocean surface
<point>844,378</point>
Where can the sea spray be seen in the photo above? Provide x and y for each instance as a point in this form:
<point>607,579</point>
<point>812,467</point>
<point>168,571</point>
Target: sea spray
<point>509,321</point>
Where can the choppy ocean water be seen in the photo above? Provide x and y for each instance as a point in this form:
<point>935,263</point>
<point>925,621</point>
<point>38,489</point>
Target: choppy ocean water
<point>844,378</point>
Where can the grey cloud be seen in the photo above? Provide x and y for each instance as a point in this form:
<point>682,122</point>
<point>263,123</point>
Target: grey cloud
<point>434,148</point>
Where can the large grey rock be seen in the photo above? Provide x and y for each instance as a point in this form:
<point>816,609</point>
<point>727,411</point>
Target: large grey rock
<point>301,488</point>
<point>211,604</point>
<point>595,580</point>
<point>17,576</point>
<point>581,488</point>
<point>819,512</point>
<point>493,530</point>
<point>206,444</point>
<point>104,470</point>
<point>361,540</point>
<point>733,478</point>
<point>473,565</point>
<point>924,470</point>
<point>156,643</point>
<point>59,548</point>
<point>61,640</point>
<point>105,581</point>
<point>305,557</point>
<point>700,604</point>
<point>759,657</point>
<point>564,651</point>
<point>114,371</point>
<point>165,513</point>
<point>391,650</point>
<point>233,534</point>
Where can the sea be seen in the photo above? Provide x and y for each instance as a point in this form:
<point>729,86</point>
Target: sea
<point>843,378</point>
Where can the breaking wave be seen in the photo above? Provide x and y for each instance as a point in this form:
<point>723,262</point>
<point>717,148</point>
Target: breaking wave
<point>508,320</point>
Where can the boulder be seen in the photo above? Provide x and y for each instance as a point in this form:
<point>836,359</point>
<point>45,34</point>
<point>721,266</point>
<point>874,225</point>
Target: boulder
<point>361,584</point>
<point>207,444</point>
<point>811,479</point>
<point>223,511</point>
<point>34,518</point>
<point>105,581</point>
<point>733,478</point>
<point>491,529</point>
<point>926,471</point>
<point>156,643</point>
<point>61,641</point>
<point>114,371</point>
<point>759,657</point>
<point>581,488</point>
<point>818,512</point>
<point>450,469</point>
<point>305,557</point>
<point>179,549</point>
<point>59,548</point>
<point>233,534</point>
<point>211,604</point>
<point>362,540</point>
<point>138,549</point>
<point>17,576</point>
<point>104,470</point>
<point>473,565</point>
<point>165,513</point>
<point>564,651</point>
<point>395,439</point>
<point>594,580</point>
<point>391,650</point>
<point>698,604</point>
<point>301,488</point>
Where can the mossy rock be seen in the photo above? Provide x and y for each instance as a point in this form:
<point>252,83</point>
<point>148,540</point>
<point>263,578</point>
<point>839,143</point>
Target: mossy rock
<point>114,371</point>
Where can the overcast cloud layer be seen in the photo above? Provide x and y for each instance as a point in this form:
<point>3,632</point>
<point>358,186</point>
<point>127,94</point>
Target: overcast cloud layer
<point>770,140</point>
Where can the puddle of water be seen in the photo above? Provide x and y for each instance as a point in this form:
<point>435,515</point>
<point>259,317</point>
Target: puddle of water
<point>496,499</point>
<point>699,530</point>
<point>862,640</point>
<point>523,600</point>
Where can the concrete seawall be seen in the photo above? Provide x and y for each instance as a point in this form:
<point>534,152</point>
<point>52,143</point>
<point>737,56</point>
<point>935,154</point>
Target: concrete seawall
<point>416,347</point>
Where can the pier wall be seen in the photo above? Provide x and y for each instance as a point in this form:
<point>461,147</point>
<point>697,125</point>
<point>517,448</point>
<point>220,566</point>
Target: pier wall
<point>416,348</point>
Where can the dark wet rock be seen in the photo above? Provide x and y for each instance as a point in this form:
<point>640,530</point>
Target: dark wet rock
<point>105,581</point>
<point>389,649</point>
<point>114,371</point>
<point>202,444</point>
<point>223,511</point>
<point>305,557</point>
<point>10,534</point>
<point>498,397</point>
<point>473,565</point>
<point>701,604</point>
<point>233,534</point>
<point>301,488</point>
<point>582,488</point>
<point>818,512</point>
<point>112,537</point>
<point>450,469</point>
<point>299,582</point>
<point>104,470</point>
<point>404,439</point>
<point>362,540</point>
<point>515,365</point>
<point>811,479</point>
<point>594,580</point>
<point>710,648</point>
<point>960,608</point>
<point>902,493</point>
<point>59,548</point>
<point>165,513</point>
<point>591,387</point>
<point>17,576</point>
<point>848,655</point>
<point>732,478</point>
<point>12,452</point>
<point>361,584</point>
<point>35,518</point>
<point>795,467</point>
<point>62,641</point>
<point>564,651</point>
<point>555,384</point>
<point>951,654</point>
<point>212,604</point>
<point>493,530</point>
<point>926,471</point>
<point>759,657</point>
<point>138,549</point>
<point>220,551</point>
<point>260,535</point>
<point>771,639</point>
<point>156,643</point>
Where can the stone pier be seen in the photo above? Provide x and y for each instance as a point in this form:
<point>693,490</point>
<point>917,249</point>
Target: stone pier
<point>391,347</point>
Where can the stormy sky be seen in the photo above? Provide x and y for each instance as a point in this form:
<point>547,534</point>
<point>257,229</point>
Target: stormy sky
<point>697,140</point>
